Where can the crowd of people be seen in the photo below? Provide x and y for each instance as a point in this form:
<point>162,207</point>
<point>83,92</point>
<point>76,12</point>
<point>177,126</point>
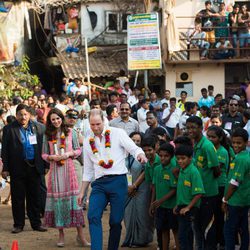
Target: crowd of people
<point>219,33</point>
<point>162,164</point>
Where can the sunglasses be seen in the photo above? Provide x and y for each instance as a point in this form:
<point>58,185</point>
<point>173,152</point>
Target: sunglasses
<point>124,109</point>
<point>72,117</point>
<point>233,104</point>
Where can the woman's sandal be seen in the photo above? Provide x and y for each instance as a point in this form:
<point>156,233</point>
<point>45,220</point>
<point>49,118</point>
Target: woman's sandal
<point>60,244</point>
<point>85,244</point>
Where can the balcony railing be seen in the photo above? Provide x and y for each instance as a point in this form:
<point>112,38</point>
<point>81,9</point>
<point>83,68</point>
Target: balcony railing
<point>199,49</point>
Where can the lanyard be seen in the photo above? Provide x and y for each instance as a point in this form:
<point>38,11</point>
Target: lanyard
<point>130,162</point>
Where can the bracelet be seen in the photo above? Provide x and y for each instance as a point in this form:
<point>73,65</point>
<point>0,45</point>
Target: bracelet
<point>224,201</point>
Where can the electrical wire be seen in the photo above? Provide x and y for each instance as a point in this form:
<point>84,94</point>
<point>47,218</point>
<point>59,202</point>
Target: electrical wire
<point>35,27</point>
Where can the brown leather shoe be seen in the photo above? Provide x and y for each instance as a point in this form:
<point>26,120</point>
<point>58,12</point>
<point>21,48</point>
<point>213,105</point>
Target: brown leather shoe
<point>40,229</point>
<point>16,230</point>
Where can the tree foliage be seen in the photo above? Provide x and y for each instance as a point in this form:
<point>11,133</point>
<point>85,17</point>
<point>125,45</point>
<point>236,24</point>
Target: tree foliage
<point>17,80</point>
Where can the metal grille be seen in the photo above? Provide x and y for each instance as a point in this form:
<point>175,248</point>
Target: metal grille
<point>183,54</point>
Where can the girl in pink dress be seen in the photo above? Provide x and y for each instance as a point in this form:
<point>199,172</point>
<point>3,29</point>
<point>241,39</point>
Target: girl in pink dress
<point>60,147</point>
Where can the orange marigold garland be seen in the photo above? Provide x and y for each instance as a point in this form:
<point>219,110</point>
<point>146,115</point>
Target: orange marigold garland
<point>101,162</point>
<point>62,147</point>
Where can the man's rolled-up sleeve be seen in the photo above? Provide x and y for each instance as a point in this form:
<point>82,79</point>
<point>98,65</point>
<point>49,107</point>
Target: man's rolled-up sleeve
<point>129,145</point>
<point>88,166</point>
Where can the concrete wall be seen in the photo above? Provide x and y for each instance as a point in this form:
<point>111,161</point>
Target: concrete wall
<point>103,37</point>
<point>201,75</point>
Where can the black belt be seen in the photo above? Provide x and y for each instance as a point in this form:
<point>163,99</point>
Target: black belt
<point>109,176</point>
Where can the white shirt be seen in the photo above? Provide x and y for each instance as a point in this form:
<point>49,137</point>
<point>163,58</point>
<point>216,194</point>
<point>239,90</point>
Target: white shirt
<point>165,101</point>
<point>62,107</point>
<point>122,80</point>
<point>132,100</point>
<point>182,121</point>
<point>141,117</point>
<point>174,118</point>
<point>83,89</point>
<point>121,144</point>
<point>128,93</point>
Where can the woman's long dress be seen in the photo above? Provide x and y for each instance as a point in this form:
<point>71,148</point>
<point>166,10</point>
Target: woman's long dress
<point>138,223</point>
<point>61,209</point>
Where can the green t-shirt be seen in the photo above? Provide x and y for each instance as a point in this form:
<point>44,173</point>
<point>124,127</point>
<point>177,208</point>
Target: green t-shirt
<point>173,161</point>
<point>231,155</point>
<point>164,182</point>
<point>149,170</point>
<point>223,159</point>
<point>240,172</point>
<point>205,159</point>
<point>189,184</point>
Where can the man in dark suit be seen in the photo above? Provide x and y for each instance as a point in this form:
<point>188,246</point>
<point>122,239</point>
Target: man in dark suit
<point>21,155</point>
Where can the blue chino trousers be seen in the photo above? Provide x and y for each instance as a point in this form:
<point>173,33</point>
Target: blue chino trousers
<point>111,189</point>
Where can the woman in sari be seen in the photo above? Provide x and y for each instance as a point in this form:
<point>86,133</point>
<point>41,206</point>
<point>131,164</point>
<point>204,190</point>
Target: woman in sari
<point>138,223</point>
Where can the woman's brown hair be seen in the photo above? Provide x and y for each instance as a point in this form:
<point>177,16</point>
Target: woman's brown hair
<point>50,129</point>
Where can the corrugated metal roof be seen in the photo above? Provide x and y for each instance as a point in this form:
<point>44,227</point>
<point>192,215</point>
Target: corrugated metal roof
<point>104,63</point>
<point>63,2</point>
<point>94,1</point>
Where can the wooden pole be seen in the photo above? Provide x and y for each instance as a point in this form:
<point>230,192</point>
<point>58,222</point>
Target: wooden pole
<point>87,65</point>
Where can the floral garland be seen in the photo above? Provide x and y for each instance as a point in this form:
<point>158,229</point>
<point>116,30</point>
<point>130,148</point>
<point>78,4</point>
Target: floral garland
<point>62,147</point>
<point>101,162</point>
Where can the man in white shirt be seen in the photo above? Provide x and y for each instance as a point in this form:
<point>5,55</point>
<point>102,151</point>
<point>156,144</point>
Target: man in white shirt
<point>104,162</point>
<point>62,105</point>
<point>133,97</point>
<point>79,88</point>
<point>142,115</point>
<point>171,116</point>
<point>166,98</point>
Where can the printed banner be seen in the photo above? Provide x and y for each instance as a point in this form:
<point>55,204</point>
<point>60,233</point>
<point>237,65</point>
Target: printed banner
<point>144,51</point>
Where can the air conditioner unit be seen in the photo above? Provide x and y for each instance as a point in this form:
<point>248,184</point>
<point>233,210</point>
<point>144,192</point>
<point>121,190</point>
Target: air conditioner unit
<point>184,76</point>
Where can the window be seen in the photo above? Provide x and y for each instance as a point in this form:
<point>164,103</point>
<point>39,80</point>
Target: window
<point>112,22</point>
<point>116,22</point>
<point>124,22</point>
<point>184,86</point>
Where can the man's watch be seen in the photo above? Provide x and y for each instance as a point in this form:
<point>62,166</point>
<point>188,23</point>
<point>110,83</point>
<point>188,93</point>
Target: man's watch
<point>224,201</point>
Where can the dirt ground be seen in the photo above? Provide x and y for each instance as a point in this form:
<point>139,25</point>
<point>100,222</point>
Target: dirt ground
<point>30,240</point>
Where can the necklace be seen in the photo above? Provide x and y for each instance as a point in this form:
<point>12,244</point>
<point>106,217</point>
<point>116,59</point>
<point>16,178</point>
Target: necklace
<point>101,162</point>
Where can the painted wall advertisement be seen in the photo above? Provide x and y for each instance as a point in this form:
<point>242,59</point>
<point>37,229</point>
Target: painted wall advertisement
<point>144,51</point>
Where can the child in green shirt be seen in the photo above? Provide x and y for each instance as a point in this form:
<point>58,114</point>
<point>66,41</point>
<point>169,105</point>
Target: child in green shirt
<point>236,201</point>
<point>217,136</point>
<point>206,161</point>
<point>164,195</point>
<point>149,147</point>
<point>189,192</point>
